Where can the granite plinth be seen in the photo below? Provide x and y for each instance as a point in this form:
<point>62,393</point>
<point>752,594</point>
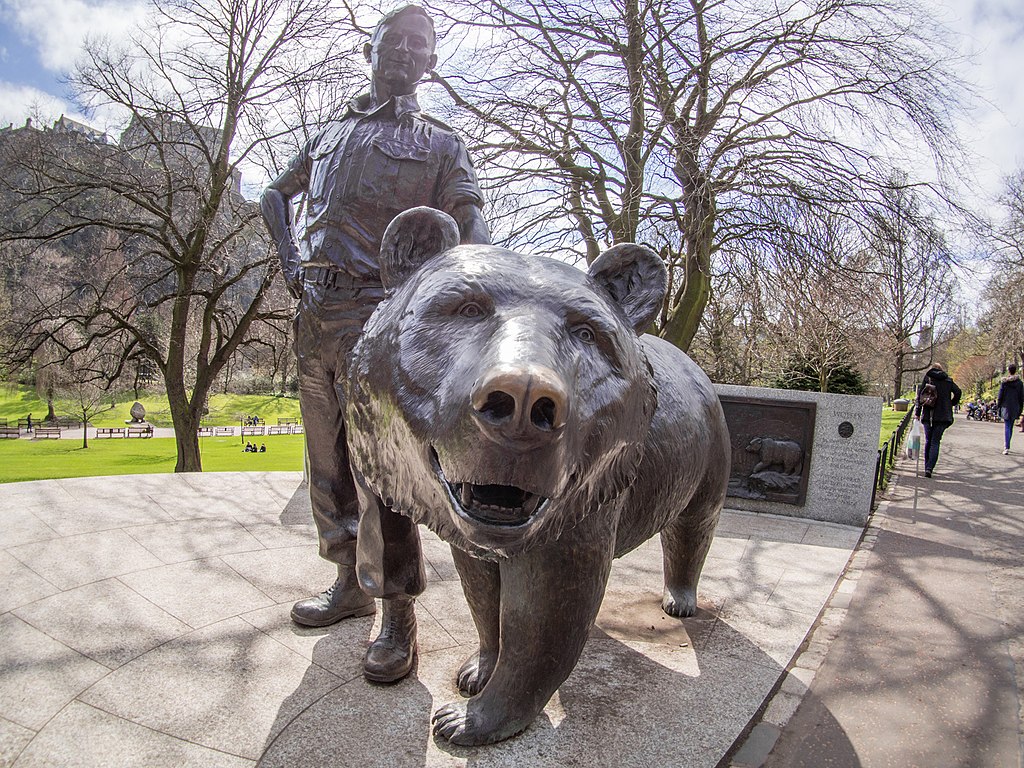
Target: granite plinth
<point>840,463</point>
<point>159,636</point>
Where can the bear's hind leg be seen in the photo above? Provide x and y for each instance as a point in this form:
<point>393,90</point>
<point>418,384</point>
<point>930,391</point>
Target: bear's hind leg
<point>481,583</point>
<point>685,542</point>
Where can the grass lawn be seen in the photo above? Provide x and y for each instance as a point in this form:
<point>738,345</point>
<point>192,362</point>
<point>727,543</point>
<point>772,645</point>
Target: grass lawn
<point>890,422</point>
<point>16,402</point>
<point>47,459</point>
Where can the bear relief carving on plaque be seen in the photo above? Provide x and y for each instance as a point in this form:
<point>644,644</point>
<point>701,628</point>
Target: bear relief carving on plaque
<point>514,405</point>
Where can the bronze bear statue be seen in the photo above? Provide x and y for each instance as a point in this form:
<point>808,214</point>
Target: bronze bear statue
<point>511,404</point>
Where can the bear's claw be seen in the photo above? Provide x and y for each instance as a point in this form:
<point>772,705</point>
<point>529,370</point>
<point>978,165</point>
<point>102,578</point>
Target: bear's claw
<point>475,672</point>
<point>457,725</point>
<point>680,603</point>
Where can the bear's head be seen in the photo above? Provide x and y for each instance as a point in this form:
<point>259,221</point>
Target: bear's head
<point>500,398</point>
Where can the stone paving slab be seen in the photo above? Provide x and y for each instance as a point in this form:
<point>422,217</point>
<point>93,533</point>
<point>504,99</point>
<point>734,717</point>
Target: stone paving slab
<point>145,623</point>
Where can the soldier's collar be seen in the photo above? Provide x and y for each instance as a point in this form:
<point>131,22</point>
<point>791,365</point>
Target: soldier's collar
<point>403,105</point>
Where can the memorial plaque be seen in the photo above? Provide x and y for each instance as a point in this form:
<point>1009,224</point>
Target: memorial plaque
<point>837,486</point>
<point>772,443</point>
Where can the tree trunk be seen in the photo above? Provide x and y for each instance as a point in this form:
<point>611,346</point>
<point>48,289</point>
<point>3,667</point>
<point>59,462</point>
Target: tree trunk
<point>898,377</point>
<point>85,428</point>
<point>699,233</point>
<point>186,425</point>
<point>51,416</point>
<point>186,438</point>
<point>684,319</point>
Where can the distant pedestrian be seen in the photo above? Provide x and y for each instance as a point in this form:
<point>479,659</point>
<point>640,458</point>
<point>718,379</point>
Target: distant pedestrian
<point>263,447</point>
<point>937,416</point>
<point>1010,403</point>
<point>29,420</point>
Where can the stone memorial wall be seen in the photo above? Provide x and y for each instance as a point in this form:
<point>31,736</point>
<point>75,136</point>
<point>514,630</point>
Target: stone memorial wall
<point>802,454</point>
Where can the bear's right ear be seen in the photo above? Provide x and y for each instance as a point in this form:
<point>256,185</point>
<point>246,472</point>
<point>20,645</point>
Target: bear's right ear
<point>636,278</point>
<point>412,238</point>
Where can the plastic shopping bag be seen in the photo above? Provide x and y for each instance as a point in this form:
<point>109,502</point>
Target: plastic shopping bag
<point>914,440</point>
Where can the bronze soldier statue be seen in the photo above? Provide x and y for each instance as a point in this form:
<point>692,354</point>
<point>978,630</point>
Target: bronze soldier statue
<point>382,157</point>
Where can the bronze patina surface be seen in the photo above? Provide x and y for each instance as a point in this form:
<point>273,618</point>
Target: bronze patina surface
<point>513,405</point>
<point>772,444</point>
<point>383,156</point>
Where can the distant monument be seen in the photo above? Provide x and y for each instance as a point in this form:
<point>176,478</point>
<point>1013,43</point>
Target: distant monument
<point>138,414</point>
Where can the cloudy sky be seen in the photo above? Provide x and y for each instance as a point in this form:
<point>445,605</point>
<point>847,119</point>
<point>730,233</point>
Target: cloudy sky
<point>40,40</point>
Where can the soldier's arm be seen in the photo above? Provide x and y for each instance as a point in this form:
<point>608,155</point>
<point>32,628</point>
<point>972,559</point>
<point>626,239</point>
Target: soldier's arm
<point>275,203</point>
<point>472,227</point>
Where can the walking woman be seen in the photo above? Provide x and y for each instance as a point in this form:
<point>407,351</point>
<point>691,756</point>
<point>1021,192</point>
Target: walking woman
<point>936,398</point>
<point>1010,403</point>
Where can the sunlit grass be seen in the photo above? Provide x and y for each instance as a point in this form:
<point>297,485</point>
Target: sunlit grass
<point>26,459</point>
<point>16,402</point>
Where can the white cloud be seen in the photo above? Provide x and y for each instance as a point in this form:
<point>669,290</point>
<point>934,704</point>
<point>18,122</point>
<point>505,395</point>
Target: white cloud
<point>58,28</point>
<point>990,33</point>
<point>19,101</point>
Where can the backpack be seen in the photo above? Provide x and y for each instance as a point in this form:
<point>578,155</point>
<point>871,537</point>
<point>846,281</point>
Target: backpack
<point>929,395</point>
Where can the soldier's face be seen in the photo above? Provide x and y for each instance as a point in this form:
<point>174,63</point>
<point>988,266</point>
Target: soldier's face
<point>401,52</point>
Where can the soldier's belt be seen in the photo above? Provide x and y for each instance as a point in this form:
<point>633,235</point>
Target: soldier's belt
<point>329,277</point>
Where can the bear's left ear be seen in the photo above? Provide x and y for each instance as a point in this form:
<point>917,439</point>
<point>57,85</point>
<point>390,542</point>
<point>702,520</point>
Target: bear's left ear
<point>412,238</point>
<point>636,278</point>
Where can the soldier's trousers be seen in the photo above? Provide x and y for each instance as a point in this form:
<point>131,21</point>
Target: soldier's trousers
<point>327,326</point>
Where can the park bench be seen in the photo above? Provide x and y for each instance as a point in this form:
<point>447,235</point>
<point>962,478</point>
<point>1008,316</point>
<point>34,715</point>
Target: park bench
<point>224,431</point>
<point>9,432</point>
<point>287,421</point>
<point>280,429</point>
<point>146,431</point>
<point>205,432</point>
<point>252,431</point>
<point>297,429</point>
<point>109,432</point>
<point>47,432</point>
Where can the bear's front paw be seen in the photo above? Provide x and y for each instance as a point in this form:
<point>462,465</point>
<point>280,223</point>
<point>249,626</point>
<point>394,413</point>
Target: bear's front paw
<point>679,602</point>
<point>475,672</point>
<point>457,724</point>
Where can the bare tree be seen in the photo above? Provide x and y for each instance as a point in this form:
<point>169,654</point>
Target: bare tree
<point>914,286</point>
<point>84,400</point>
<point>1008,236</point>
<point>1002,318</point>
<point>603,122</point>
<point>178,267</point>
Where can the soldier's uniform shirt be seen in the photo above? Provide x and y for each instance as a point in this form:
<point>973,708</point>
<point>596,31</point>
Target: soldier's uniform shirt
<point>364,169</point>
<point>359,173</point>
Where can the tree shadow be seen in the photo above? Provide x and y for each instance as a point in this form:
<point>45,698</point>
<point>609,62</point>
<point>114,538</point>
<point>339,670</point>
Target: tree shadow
<point>927,666</point>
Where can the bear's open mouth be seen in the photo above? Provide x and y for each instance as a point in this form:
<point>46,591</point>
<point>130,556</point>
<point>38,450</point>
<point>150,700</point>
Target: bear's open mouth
<point>490,504</point>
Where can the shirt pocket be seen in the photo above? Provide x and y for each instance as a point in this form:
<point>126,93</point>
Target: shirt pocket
<point>397,173</point>
<point>323,175</point>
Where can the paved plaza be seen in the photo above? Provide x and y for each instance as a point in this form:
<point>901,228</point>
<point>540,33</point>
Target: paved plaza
<point>145,623</point>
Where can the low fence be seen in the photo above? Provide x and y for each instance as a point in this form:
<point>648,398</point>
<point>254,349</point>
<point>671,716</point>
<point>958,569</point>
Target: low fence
<point>887,455</point>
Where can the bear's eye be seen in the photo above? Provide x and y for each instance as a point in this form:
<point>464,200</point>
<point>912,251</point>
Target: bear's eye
<point>471,310</point>
<point>584,333</point>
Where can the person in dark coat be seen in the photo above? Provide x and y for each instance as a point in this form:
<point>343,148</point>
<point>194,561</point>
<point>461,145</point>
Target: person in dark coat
<point>936,418</point>
<point>1010,403</point>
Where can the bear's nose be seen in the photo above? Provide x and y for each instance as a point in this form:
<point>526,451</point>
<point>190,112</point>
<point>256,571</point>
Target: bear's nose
<point>524,402</point>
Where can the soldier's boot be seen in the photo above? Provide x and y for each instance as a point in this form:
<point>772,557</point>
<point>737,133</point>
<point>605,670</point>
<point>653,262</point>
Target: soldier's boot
<point>339,601</point>
<point>389,658</point>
